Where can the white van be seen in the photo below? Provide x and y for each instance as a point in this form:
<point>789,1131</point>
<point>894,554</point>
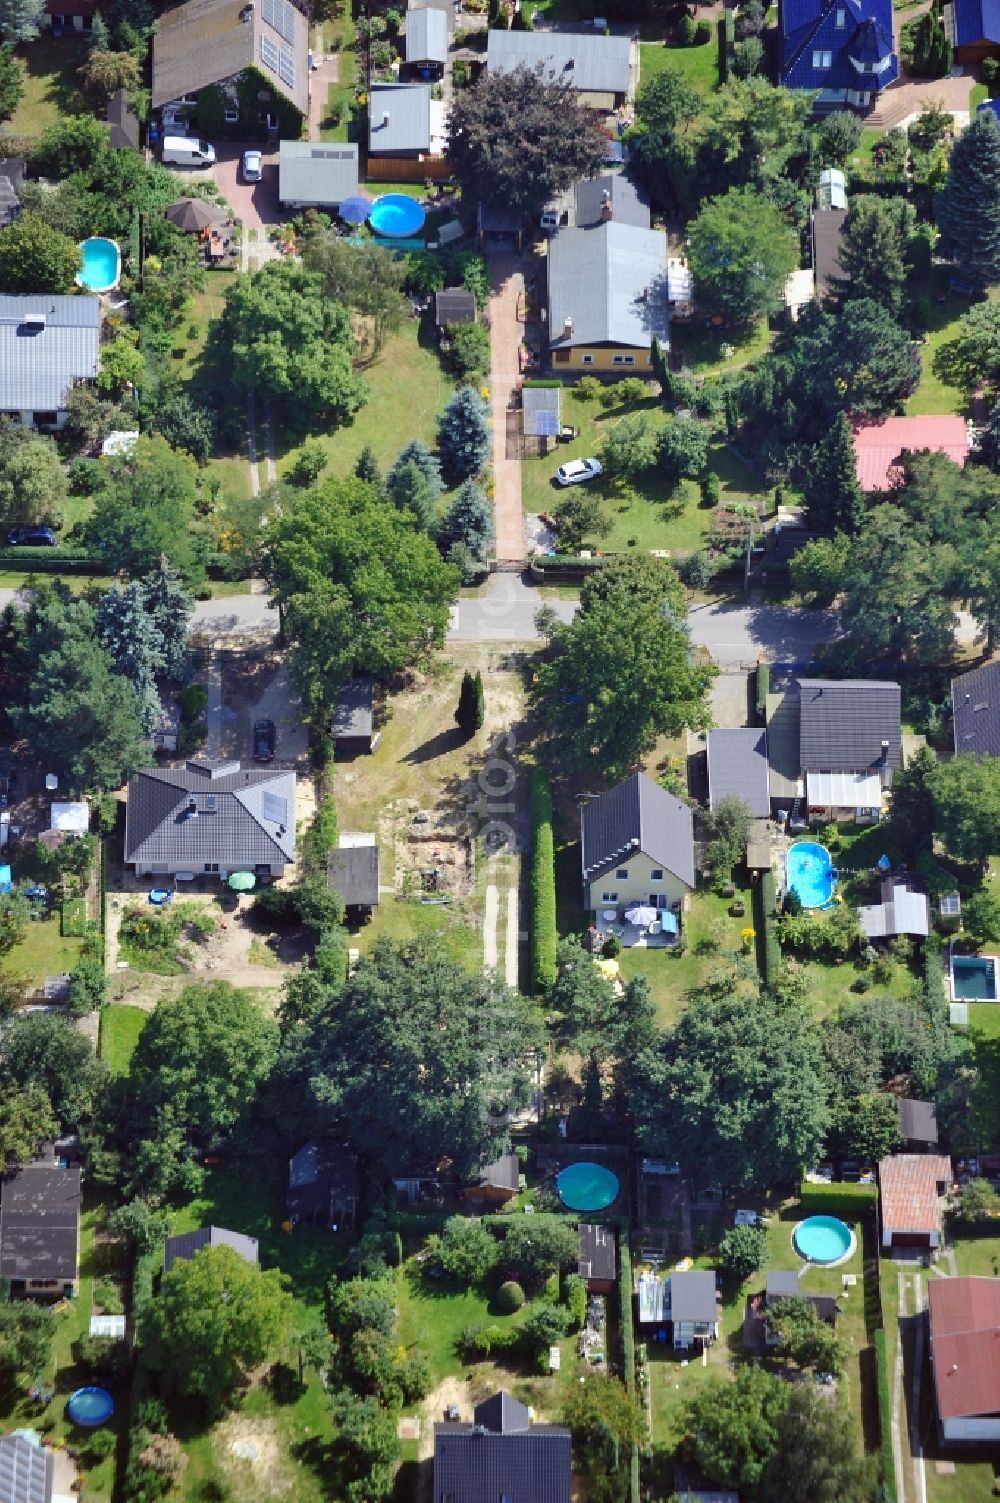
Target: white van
<point>187,151</point>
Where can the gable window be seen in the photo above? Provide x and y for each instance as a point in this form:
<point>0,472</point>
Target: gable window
<point>622,874</point>
<point>656,876</point>
<point>609,897</point>
<point>841,19</point>
<point>822,59</point>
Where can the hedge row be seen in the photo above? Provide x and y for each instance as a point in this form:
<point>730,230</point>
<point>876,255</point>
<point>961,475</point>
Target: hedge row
<point>542,886</point>
<point>884,1418</point>
<point>50,561</point>
<point>727,41</point>
<point>848,1201</point>
<point>628,1345</point>
<point>765,900</point>
<point>566,565</point>
<point>763,689</point>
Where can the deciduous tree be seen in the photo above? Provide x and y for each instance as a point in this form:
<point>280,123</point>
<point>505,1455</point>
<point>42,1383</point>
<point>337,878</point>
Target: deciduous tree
<point>145,512</point>
<point>367,278</point>
<point>26,1121</point>
<point>35,259</point>
<point>467,1250</point>
<point>32,479</point>
<point>606,1422</point>
<point>966,794</point>
<point>743,1250</point>
<point>741,254</point>
<point>27,1331</point>
<point>804,1337</point>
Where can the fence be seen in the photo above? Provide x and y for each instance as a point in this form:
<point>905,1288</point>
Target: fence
<point>408,169</point>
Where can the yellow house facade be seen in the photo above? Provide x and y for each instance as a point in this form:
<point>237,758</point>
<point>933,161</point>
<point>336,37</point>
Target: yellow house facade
<point>613,359</point>
<point>607,297</point>
<point>637,846</point>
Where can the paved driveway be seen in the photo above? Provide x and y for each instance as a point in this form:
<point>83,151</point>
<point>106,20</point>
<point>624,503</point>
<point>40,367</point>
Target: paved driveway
<point>255,203</point>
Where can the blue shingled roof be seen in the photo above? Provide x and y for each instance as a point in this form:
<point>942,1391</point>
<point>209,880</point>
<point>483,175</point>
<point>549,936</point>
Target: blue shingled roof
<point>976,21</point>
<point>856,33</point>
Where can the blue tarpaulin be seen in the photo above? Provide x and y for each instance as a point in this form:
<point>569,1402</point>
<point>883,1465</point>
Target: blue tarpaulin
<point>4,879</point>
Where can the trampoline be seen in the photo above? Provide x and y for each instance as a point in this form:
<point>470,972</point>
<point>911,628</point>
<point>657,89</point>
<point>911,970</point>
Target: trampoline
<point>395,215</point>
<point>90,1406</point>
<point>587,1187</point>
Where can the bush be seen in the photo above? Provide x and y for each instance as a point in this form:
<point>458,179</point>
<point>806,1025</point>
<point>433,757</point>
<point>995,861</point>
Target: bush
<point>192,701</point>
<point>108,1297</point>
<point>702,33</point>
<point>73,918</point>
<point>542,886</point>
<point>467,1250</point>
<point>468,352</point>
<point>612,947</point>
<point>743,1250</point>
<point>696,570</point>
<point>687,30</point>
<point>763,690</point>
<point>482,1340</point>
<point>510,1297</point>
<point>588,389</point>
<point>625,1312</point>
<point>575,1300</point>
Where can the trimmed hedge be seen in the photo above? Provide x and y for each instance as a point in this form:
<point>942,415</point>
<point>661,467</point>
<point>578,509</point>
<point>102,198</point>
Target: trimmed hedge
<point>542,886</point>
<point>763,688</point>
<point>765,900</point>
<point>628,1346</point>
<point>541,383</point>
<point>727,41</point>
<point>568,566</point>
<point>50,561</point>
<point>846,1200</point>
<point>884,1418</point>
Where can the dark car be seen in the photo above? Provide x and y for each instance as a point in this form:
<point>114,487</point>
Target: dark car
<point>263,740</point>
<point>33,537</point>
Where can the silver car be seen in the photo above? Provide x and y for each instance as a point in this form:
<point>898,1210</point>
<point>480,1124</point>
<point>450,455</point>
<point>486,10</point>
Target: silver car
<point>253,166</point>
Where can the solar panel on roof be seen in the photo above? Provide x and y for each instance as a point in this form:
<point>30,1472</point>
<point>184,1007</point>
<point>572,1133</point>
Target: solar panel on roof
<point>546,424</point>
<point>275,808</point>
<point>286,68</point>
<point>269,53</point>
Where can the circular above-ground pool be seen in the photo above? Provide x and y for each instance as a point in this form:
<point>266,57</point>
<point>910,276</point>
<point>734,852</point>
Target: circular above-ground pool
<point>161,895</point>
<point>587,1187</point>
<point>90,1406</point>
<point>823,1239</point>
<point>396,215</point>
<point>102,264</point>
<point>809,870</point>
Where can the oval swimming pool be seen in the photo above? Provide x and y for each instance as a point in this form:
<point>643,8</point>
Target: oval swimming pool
<point>90,1406</point>
<point>823,1239</point>
<point>809,870</point>
<point>102,264</point>
<point>587,1187</point>
<point>395,214</point>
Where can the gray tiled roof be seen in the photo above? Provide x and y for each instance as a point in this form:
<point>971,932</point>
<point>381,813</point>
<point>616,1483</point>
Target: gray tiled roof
<point>598,1257</point>
<point>123,121</point>
<point>827,228</point>
<point>901,911</point>
<point>39,365</point>
<point>975,699</point>
<point>637,815</point>
<point>454,305</point>
<point>408,127</point>
<point>737,763</point>
<point>843,723</point>
<point>354,714</point>
<point>501,1455</point>
<point>203,42</point>
<point>352,871</point>
<point>629,204</point>
<point>316,172</point>
<point>610,282</point>
<point>26,1471</point>
<point>177,1249</point>
<point>243,829</point>
<point>40,1222</point>
<point>426,35</point>
<point>503,1174</point>
<point>918,1120</point>
<point>692,1296</point>
<point>591,62</point>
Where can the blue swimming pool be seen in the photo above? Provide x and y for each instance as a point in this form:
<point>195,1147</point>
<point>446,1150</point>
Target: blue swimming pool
<point>823,1239</point>
<point>394,214</point>
<point>974,978</point>
<point>102,264</point>
<point>90,1407</point>
<point>587,1187</point>
<point>810,873</point>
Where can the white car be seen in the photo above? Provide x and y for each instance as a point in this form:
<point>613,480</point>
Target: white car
<point>579,470</point>
<point>252,166</point>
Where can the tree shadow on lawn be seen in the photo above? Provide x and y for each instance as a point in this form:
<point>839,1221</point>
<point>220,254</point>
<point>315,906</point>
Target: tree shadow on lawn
<point>437,746</point>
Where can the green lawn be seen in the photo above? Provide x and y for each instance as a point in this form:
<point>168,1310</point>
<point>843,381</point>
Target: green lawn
<point>653,514</point>
<point>699,65</point>
<point>402,919</point>
<point>707,350</point>
<point>713,935</point>
<point>121,1026</point>
<point>43,951</point>
<point>934,395</point>
<point>984,1030</point>
<point>51,89</point>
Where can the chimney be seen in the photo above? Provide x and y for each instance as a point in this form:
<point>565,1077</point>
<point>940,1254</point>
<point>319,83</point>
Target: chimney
<point>385,118</point>
<point>607,209</point>
<point>192,807</point>
<point>568,329</point>
<point>246,14</point>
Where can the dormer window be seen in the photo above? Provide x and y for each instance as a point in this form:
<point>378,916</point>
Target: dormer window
<point>822,60</point>
<point>841,20</point>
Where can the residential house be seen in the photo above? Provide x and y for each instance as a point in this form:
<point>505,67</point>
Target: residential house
<point>975,704</point>
<point>426,38</point>
<point>217,45</point>
<point>501,1457</point>
<point>900,911</point>
<point>496,1183</point>
<point>694,1312</point>
<point>598,68</point>
<point>850,741</point>
<point>27,1469</point>
<point>691,1486</point>
<point>353,724</point>
<point>918,1125</point>
<point>598,200</point>
<point>323,1185</point>
<point>124,122</point>
<point>405,122</point>
<point>317,174</point>
<point>352,871</point>
<point>47,343</point>
<point>598,1264</point>
<point>187,1244</point>
<point>781,1284</point>
<point>211,819</point>
<point>64,17</point>
<point>973,28</point>
<point>637,846</point>
<point>40,1226</point>
<point>911,1188</point>
<point>11,183</point>
<point>607,293</point>
<point>964,1315</point>
<point>454,305</point>
<point>881,444</point>
<point>737,764</point>
<point>842,49</point>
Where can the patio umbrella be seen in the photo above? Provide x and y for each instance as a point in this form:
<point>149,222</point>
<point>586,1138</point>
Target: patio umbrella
<point>642,915</point>
<point>355,210</point>
<point>242,881</point>
<point>195,214</point>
